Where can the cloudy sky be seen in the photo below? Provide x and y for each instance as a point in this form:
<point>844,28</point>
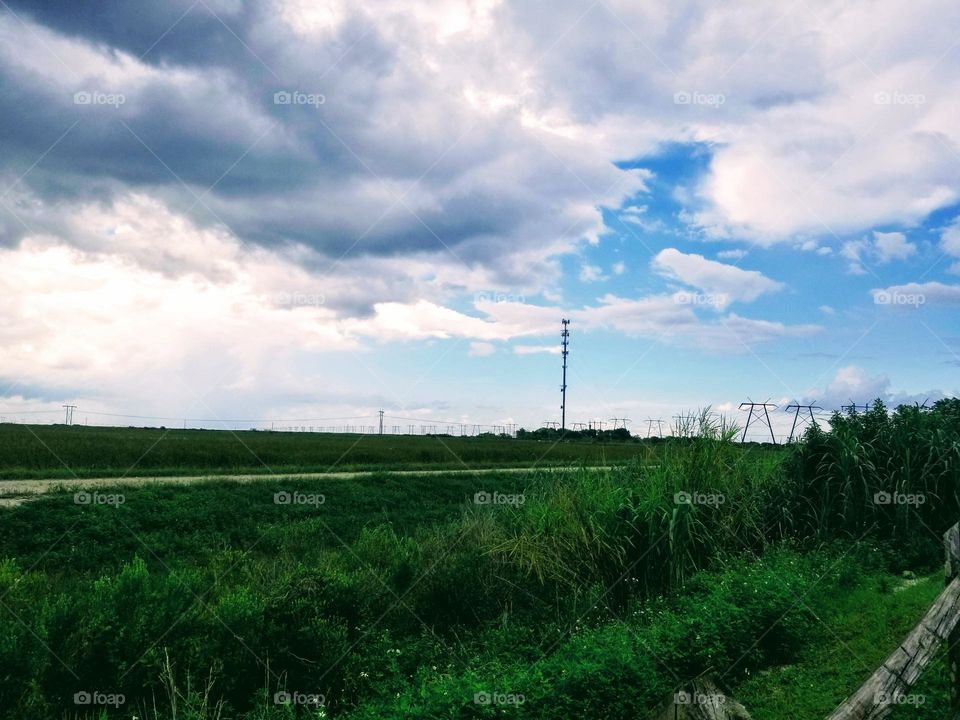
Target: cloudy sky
<point>281,209</point>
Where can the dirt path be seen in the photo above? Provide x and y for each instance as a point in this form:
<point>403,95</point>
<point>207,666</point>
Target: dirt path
<point>15,492</point>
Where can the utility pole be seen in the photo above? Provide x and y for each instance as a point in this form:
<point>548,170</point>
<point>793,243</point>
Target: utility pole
<point>565,337</point>
<point>68,414</point>
<point>381,422</point>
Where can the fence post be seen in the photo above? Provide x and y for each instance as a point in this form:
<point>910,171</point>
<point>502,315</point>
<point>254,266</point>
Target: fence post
<point>951,544</point>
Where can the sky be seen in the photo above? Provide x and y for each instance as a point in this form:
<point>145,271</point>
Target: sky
<point>286,209</point>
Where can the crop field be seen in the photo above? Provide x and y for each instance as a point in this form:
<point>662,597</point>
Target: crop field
<point>592,590</point>
<point>51,451</point>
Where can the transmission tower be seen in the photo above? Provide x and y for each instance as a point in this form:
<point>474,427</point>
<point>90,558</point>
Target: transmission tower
<point>853,408</point>
<point>759,412</point>
<point>622,421</point>
<point>811,420</point>
<point>565,338</point>
<point>659,424</point>
<point>551,424</point>
<point>68,414</point>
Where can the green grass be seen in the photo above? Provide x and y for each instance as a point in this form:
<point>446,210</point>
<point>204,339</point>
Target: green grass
<point>57,451</point>
<point>859,630</point>
<point>173,524</point>
<point>401,597</point>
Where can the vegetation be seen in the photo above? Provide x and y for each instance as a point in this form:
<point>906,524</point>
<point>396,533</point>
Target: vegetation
<point>534,595</point>
<point>57,451</point>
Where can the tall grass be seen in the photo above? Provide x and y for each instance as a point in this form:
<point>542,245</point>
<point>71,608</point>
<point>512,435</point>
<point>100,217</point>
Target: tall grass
<point>894,475</point>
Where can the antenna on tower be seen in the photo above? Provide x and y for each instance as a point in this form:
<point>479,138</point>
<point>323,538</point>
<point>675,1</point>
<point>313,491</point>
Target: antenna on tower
<point>565,337</point>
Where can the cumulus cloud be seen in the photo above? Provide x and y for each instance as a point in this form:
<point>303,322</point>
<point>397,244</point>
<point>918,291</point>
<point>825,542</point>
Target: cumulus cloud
<point>853,384</point>
<point>883,248</point>
<point>917,294</point>
<point>727,282</point>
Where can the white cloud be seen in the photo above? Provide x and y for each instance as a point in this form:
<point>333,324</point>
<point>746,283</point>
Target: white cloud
<point>827,310</point>
<point>726,281</point>
<point>917,294</point>
<point>536,349</point>
<point>892,246</point>
<point>737,254</point>
<point>481,349</point>
<point>950,238</point>
<point>591,273</point>
<point>882,249</point>
<point>618,268</point>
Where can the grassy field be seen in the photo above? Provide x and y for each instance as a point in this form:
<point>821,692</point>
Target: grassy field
<point>531,595</point>
<point>57,451</point>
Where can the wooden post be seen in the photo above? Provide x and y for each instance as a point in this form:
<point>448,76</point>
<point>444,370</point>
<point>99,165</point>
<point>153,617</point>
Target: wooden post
<point>897,675</point>
<point>701,699</point>
<point>951,544</point>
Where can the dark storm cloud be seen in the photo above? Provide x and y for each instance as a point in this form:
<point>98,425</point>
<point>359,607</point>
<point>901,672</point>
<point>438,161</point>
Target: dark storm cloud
<point>389,160</point>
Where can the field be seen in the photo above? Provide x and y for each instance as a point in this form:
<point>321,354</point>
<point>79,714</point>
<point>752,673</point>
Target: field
<point>51,451</point>
<point>543,594</point>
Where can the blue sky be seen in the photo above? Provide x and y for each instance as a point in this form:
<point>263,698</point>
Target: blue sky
<point>285,209</point>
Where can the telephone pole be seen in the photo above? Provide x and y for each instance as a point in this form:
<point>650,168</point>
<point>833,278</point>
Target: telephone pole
<point>565,337</point>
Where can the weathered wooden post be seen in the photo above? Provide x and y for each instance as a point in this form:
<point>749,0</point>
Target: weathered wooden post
<point>880,694</point>
<point>951,544</point>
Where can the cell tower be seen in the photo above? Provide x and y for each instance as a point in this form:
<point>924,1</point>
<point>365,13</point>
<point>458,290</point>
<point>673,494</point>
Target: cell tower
<point>759,412</point>
<point>802,420</point>
<point>565,337</point>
